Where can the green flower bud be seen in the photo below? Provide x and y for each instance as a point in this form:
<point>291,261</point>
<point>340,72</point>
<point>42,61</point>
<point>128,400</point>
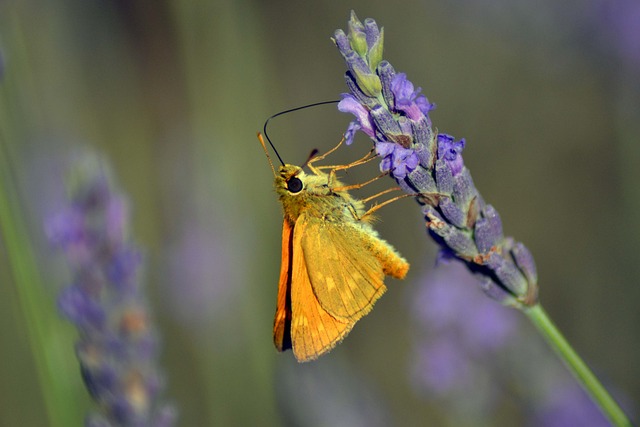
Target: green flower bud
<point>357,36</point>
<point>370,84</point>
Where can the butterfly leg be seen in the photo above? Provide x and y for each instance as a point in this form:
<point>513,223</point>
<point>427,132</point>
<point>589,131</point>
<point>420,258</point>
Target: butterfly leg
<point>385,203</point>
<point>322,156</point>
<point>360,185</point>
<point>388,190</point>
<point>364,159</point>
<point>334,168</point>
<point>423,198</point>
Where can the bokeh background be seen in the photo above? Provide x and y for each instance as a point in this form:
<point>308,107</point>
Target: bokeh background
<point>171,93</point>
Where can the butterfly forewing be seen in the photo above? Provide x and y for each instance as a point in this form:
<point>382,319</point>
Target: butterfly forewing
<point>313,330</point>
<point>282,321</point>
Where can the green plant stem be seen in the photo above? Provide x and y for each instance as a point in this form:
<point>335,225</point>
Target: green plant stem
<point>577,367</point>
<point>35,305</point>
<point>24,272</point>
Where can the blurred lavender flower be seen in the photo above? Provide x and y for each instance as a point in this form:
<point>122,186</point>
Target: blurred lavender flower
<point>199,261</point>
<point>465,344</point>
<point>612,27</point>
<point>460,335</point>
<point>568,406</point>
<point>330,393</point>
<point>620,23</point>
<point>395,116</point>
<point>118,345</point>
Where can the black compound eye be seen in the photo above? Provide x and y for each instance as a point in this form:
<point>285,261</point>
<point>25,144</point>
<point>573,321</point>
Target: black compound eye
<point>294,185</point>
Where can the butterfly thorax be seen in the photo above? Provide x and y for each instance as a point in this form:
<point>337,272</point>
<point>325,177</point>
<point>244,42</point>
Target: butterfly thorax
<point>314,195</point>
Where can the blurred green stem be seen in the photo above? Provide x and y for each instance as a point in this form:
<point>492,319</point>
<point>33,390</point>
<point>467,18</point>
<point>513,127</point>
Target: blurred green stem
<point>35,305</point>
<point>26,280</point>
<point>577,367</point>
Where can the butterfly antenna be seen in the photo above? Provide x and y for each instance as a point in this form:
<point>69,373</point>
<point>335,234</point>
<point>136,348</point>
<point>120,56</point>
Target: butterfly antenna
<point>266,152</point>
<point>266,135</point>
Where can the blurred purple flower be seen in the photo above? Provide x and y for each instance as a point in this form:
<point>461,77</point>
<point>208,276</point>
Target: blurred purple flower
<point>442,367</point>
<point>460,328</point>
<point>118,345</point>
<point>329,393</point>
<point>620,22</point>
<point>613,27</point>
<point>568,406</point>
<point>202,264</point>
<point>465,344</point>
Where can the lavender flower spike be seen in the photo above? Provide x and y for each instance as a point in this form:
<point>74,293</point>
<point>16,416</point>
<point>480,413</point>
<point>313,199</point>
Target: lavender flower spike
<point>118,345</point>
<point>395,115</point>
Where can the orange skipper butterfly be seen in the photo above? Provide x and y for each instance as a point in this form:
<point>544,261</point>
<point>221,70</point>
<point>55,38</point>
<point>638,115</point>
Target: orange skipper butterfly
<point>333,261</point>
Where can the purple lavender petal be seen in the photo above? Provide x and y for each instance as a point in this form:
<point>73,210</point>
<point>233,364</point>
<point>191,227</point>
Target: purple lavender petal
<point>425,106</point>
<point>122,269</point>
<point>67,231</point>
<point>349,104</point>
<point>65,228</point>
<point>385,151</point>
<point>350,134</point>
<point>80,308</point>
<point>404,161</point>
<point>450,151</point>
<point>405,97</point>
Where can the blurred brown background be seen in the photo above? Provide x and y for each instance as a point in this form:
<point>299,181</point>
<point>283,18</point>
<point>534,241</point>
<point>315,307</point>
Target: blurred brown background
<point>172,93</point>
